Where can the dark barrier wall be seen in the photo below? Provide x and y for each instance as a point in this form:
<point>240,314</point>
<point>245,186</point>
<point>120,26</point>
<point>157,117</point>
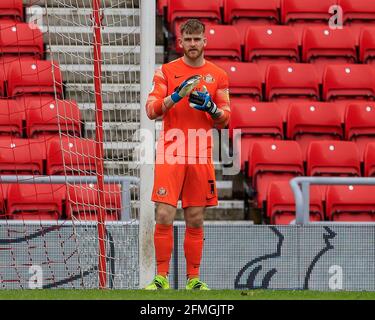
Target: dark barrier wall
<point>236,256</point>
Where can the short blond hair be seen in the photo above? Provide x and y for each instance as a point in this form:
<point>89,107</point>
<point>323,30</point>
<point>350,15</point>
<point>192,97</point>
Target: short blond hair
<point>192,26</point>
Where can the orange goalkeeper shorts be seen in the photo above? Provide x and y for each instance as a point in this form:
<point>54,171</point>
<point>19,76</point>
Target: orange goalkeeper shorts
<point>193,184</point>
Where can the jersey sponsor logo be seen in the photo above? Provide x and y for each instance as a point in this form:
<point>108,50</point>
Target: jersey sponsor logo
<point>162,192</point>
<point>176,77</point>
<point>209,78</point>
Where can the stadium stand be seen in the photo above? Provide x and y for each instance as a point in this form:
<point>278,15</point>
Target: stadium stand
<point>257,121</point>
<point>11,118</point>
<point>181,10</point>
<point>11,10</point>
<point>367,45</point>
<point>360,124</point>
<point>281,204</point>
<point>34,76</point>
<point>35,201</point>
<point>245,80</point>
<point>332,158</point>
<point>286,83</point>
<point>19,39</point>
<point>270,44</point>
<point>83,202</point>
<point>21,156</point>
<point>300,14</point>
<point>50,116</point>
<point>273,160</point>
<point>323,46</point>
<point>223,43</point>
<point>303,36</point>
<point>369,159</point>
<point>357,13</point>
<point>348,82</point>
<point>244,13</point>
<point>70,156</point>
<point>307,121</point>
<point>350,203</point>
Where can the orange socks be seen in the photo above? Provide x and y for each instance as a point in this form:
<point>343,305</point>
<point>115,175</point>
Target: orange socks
<point>193,246</point>
<point>163,241</point>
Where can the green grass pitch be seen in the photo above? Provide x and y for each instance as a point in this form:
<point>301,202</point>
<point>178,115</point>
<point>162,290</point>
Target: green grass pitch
<point>52,294</point>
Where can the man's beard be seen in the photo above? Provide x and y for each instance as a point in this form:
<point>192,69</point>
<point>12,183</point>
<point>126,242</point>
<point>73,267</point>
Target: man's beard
<point>198,55</point>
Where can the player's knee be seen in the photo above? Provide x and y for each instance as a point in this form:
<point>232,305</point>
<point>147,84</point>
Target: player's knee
<point>194,218</point>
<point>164,216</point>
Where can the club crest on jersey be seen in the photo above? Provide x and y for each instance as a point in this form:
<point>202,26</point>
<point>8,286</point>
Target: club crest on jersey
<point>208,78</point>
<point>162,192</point>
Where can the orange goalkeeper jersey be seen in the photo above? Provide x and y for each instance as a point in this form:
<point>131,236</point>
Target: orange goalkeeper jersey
<point>187,131</point>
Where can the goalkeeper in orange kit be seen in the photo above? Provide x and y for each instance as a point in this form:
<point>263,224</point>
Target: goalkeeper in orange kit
<point>190,94</point>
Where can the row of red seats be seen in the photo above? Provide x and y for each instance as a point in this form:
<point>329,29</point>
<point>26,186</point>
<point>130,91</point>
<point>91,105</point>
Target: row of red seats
<point>244,12</point>
<point>305,122</point>
<point>285,82</point>
<point>318,44</point>
<point>342,203</point>
<point>39,115</point>
<point>275,160</point>
<point>51,155</point>
<point>58,201</point>
<point>31,76</point>
<point>11,10</point>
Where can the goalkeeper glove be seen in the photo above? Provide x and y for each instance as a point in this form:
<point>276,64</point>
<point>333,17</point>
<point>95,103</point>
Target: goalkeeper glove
<point>185,88</point>
<point>201,100</point>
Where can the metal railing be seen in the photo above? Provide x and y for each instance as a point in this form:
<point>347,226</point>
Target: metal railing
<point>125,182</point>
<point>301,190</point>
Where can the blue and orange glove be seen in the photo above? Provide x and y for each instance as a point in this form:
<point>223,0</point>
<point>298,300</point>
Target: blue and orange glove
<point>201,100</point>
<point>185,88</point>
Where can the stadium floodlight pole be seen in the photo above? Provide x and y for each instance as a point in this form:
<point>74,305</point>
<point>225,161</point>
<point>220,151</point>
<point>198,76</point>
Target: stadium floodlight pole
<point>99,152</point>
<point>146,216</point>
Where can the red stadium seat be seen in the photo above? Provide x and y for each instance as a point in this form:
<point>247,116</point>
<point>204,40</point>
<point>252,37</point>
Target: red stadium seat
<point>367,45</point>
<point>281,208</point>
<point>20,39</point>
<point>369,160</point>
<point>244,79</point>
<point>244,13</point>
<point>270,44</point>
<point>83,202</point>
<point>286,83</point>
<point>11,116</point>
<point>223,42</point>
<point>257,121</point>
<point>34,76</point>
<point>273,160</point>
<point>322,46</point>
<point>3,199</point>
<point>300,14</point>
<point>11,9</point>
<point>350,81</point>
<point>50,116</point>
<point>161,5</point>
<point>350,203</point>
<point>36,201</point>
<point>21,156</point>
<point>333,158</point>
<point>307,121</point>
<point>358,13</point>
<point>70,156</point>
<point>180,10</point>
<point>265,11</point>
<point>360,124</point>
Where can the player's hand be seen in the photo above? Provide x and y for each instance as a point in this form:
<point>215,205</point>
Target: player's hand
<point>201,100</point>
<point>185,88</point>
